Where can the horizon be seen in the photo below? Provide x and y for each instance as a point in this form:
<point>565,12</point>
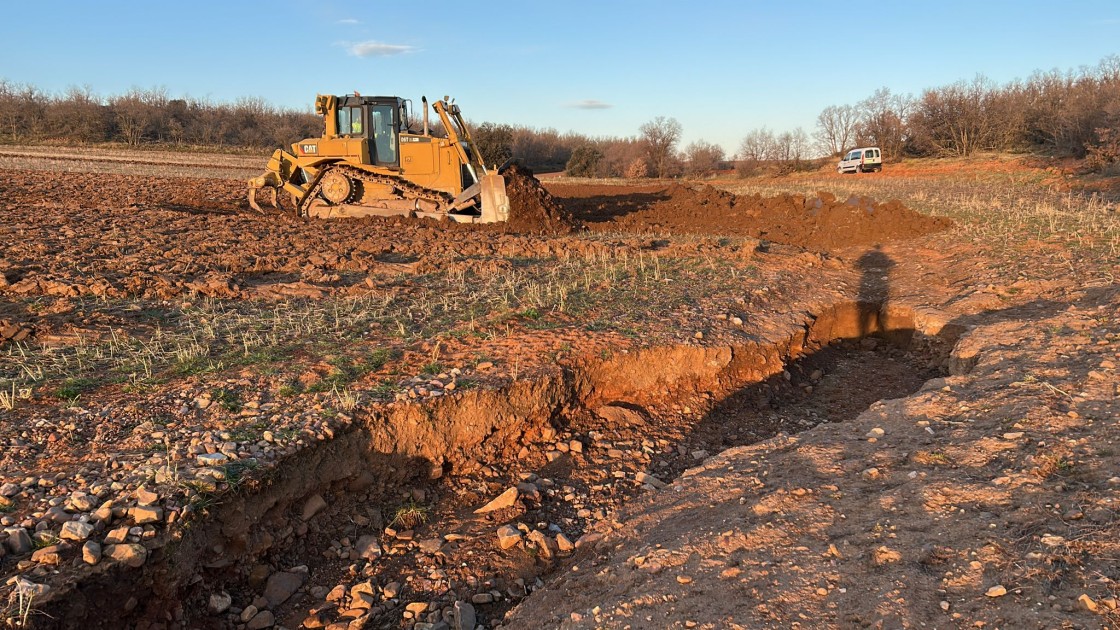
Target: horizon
<point>544,79</point>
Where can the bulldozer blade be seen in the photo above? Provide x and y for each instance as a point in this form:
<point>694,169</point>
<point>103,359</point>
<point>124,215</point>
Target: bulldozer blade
<point>495,199</point>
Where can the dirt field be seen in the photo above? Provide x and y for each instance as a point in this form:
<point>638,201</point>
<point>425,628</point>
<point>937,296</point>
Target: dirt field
<point>812,401</point>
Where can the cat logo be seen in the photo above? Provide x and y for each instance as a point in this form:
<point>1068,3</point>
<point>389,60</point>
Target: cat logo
<point>309,149</point>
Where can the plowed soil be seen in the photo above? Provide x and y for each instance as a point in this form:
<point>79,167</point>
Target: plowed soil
<point>247,420</point>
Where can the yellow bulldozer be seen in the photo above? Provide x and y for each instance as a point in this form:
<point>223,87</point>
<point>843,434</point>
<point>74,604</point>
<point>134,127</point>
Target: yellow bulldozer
<point>372,160</point>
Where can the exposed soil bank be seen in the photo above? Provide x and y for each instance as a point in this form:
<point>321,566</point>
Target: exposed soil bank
<point>738,395</point>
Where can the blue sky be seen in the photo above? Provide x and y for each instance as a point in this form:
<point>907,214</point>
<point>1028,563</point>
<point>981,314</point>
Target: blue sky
<point>601,68</point>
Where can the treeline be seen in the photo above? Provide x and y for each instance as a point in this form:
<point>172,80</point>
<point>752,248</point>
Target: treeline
<point>28,114</point>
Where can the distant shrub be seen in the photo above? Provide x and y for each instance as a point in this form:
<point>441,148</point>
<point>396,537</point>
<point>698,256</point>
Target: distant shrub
<point>637,169</point>
<point>584,162</point>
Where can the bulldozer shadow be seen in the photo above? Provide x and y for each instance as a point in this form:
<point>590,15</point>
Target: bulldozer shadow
<point>606,208</point>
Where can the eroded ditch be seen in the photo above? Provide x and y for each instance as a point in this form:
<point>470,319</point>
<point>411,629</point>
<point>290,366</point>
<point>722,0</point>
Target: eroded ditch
<point>376,527</point>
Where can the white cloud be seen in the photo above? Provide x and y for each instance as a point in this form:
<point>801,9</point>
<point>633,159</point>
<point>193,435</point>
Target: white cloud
<point>378,49</point>
<point>590,104</point>
<point>349,21</point>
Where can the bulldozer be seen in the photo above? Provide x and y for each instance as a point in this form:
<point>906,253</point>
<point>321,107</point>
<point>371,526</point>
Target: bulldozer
<point>372,160</point>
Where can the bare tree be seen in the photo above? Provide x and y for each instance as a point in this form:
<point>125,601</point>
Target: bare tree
<point>957,119</point>
<point>703,158</point>
<point>882,121</point>
<point>661,135</point>
<point>757,145</point>
<point>836,128</point>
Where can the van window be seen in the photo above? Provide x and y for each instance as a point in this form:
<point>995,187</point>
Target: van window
<point>855,155</point>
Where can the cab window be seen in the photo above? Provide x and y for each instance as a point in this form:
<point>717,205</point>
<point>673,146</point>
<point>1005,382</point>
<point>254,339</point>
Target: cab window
<point>350,121</point>
<point>384,134</point>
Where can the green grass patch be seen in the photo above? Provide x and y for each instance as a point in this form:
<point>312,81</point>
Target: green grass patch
<point>228,399</point>
<point>71,388</point>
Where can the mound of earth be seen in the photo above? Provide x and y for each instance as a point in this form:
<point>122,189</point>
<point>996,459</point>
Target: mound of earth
<point>819,223</point>
<point>531,207</point>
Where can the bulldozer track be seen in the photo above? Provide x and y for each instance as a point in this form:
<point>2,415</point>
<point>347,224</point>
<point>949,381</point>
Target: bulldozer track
<point>407,189</point>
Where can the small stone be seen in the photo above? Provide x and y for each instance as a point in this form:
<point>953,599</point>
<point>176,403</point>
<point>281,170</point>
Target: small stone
<point>870,474</point>
<point>91,552</point>
<point>51,555</point>
<point>642,477</point>
<point>363,602</point>
<point>132,554</point>
<point>886,555</point>
<point>336,594</point>
<point>416,608</point>
<point>1050,540</point>
<point>19,542</point>
<point>996,591</point>
<point>502,501</point>
<point>116,536</point>
<point>1088,602</point>
<point>508,536</point>
<point>142,515</point>
<point>464,616</point>
<point>368,547</point>
<point>430,545</point>
<point>313,506</point>
<point>146,497</point>
<point>482,598</point>
<point>248,613</point>
<point>543,543</point>
<point>1013,435</point>
<point>698,335</point>
<point>260,621</point>
<point>75,530</point>
<point>211,459</point>
<point>945,605</point>
<point>219,603</point>
<point>82,502</point>
<point>564,544</point>
<point>738,321</point>
<point>875,433</point>
<point>9,490</point>
<point>104,513</point>
<point>281,586</point>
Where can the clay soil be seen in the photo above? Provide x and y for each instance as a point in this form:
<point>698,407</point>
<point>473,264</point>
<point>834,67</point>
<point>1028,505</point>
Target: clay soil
<point>818,401</point>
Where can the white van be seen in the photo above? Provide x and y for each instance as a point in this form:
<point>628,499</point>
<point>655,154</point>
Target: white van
<point>862,160</point>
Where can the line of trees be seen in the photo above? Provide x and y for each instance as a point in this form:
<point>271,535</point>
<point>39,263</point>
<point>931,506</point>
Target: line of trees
<point>78,115</point>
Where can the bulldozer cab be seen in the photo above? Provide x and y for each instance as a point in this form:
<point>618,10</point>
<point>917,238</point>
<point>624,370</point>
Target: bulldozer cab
<point>376,120</point>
